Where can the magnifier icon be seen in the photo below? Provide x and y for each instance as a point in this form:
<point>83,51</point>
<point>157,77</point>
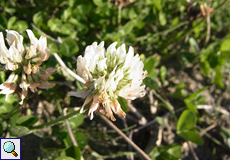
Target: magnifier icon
<point>9,147</point>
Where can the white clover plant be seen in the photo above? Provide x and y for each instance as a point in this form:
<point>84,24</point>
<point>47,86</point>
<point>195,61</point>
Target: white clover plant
<point>24,62</point>
<point>108,74</point>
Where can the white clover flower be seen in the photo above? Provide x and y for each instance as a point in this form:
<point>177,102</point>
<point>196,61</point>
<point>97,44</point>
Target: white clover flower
<point>108,74</point>
<point>24,64</point>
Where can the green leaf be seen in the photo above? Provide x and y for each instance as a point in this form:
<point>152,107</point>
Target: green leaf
<point>162,18</point>
<point>52,45</point>
<point>64,158</point>
<point>192,135</point>
<point>170,152</point>
<point>151,62</point>
<point>9,10</point>
<point>27,121</point>
<point>81,28</point>
<point>14,118</point>
<point>6,107</point>
<point>66,14</point>
<point>225,44</point>
<point>186,121</point>
<point>11,21</point>
<point>18,131</point>
<point>98,3</point>
<point>194,46</point>
<point>151,83</point>
<point>157,4</point>
<point>20,26</point>
<point>218,79</point>
<point>228,142</point>
<point>76,121</point>
<point>132,13</point>
<point>73,152</point>
<point>196,94</point>
<point>205,68</point>
<point>55,24</point>
<point>186,127</point>
<point>153,75</point>
<point>191,106</point>
<point>180,92</point>
<point>67,29</point>
<point>192,100</point>
<point>128,27</point>
<point>84,8</point>
<point>69,47</point>
<point>124,104</point>
<point>163,72</point>
<point>81,140</point>
<point>38,19</point>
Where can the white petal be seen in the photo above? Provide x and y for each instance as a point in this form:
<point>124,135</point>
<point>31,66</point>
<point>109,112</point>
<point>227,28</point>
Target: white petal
<point>3,50</point>
<point>102,64</point>
<point>13,36</point>
<point>14,54</point>
<point>33,39</point>
<point>42,44</point>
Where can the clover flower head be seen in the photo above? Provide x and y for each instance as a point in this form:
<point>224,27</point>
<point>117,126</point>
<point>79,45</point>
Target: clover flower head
<point>24,63</point>
<point>109,73</point>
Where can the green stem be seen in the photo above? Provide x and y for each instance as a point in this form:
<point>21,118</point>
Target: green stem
<point>163,32</point>
<point>58,120</point>
<point>167,104</point>
<point>192,28</point>
<point>119,15</point>
<point>214,139</point>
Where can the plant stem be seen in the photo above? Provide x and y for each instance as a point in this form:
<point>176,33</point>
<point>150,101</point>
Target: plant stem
<point>126,138</point>
<point>168,105</point>
<point>58,120</point>
<point>68,70</point>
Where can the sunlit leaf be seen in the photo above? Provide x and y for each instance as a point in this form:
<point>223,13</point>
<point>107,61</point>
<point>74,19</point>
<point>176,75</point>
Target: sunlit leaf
<point>11,21</point>
<point>69,47</point>
<point>151,83</point>
<point>84,8</point>
<point>163,72</point>
<point>64,158</point>
<point>124,104</point>
<point>66,14</point>
<point>73,152</point>
<point>6,107</point>
<point>20,26</point>
<point>18,131</point>
<point>67,28</point>
<point>172,152</point>
<point>162,18</point>
<point>186,121</point>
<point>186,127</point>
<point>191,135</point>
<point>27,121</point>
<point>194,46</point>
<point>98,3</point>
<point>54,24</point>
<point>38,19</point>
<point>205,68</point>
<point>151,62</point>
<point>76,121</point>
